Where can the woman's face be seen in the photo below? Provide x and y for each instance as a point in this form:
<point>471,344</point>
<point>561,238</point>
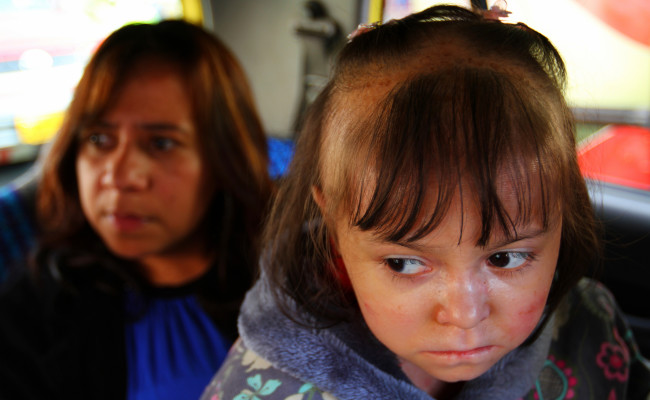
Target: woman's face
<point>444,304</point>
<point>140,173</point>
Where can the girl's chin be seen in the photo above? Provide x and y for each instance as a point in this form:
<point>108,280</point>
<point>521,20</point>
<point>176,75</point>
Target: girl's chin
<point>447,373</point>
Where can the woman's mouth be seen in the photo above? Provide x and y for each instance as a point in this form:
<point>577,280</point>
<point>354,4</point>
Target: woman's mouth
<point>127,222</point>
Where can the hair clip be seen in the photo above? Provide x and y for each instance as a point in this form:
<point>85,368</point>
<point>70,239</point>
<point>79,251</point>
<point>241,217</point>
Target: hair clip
<point>361,29</point>
<point>496,12</point>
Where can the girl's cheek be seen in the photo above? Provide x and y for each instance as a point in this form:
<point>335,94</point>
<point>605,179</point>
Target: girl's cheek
<point>368,309</point>
<point>524,319</point>
<point>398,314</point>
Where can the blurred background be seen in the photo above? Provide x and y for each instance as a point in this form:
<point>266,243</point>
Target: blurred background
<point>287,47</point>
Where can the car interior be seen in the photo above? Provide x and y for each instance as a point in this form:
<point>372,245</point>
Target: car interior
<point>301,55</point>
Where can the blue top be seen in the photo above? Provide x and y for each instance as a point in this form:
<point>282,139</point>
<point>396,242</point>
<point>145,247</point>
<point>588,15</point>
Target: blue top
<point>172,350</point>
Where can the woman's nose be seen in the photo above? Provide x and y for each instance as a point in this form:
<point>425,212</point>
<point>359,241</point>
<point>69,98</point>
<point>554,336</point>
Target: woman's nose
<point>463,301</point>
<point>126,168</point>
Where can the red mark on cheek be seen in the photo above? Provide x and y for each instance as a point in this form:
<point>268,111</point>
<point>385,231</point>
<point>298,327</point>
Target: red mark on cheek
<point>526,318</point>
<point>367,308</point>
<point>533,309</point>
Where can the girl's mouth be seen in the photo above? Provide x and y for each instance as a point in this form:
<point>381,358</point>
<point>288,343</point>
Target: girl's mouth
<point>462,354</point>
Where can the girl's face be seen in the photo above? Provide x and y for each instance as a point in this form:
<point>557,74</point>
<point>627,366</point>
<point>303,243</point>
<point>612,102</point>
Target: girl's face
<point>449,307</point>
<point>140,173</point>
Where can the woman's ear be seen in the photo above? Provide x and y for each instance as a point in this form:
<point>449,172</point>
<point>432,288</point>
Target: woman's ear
<point>319,198</point>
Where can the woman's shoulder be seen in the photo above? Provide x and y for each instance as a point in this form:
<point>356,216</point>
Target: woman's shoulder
<point>247,375</point>
<point>593,351</point>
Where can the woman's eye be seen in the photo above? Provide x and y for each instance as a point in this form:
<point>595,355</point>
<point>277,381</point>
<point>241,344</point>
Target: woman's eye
<point>406,266</point>
<point>100,140</point>
<point>508,259</point>
<point>163,143</point>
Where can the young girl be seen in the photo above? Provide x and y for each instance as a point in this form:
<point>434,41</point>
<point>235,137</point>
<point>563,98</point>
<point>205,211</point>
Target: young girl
<point>433,231</point>
<point>149,207</point>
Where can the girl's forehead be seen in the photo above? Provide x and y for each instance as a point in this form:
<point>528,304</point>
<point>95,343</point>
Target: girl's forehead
<point>517,206</point>
<point>349,107</point>
<point>359,94</point>
<point>462,223</point>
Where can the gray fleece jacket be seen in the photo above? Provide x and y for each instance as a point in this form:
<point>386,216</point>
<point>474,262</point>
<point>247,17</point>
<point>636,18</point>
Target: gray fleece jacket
<point>277,358</point>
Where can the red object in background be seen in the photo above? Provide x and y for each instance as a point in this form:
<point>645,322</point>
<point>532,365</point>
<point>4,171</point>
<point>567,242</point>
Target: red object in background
<point>618,154</point>
<point>629,17</point>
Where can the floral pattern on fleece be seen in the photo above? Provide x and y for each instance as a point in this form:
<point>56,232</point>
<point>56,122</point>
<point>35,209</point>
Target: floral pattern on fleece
<point>593,352</point>
<point>259,380</point>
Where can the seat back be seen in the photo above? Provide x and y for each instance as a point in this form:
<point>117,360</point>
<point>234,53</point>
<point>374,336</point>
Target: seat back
<point>625,216</point>
<point>17,224</point>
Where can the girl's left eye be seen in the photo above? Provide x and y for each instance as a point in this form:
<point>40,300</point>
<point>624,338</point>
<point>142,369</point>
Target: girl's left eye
<point>508,259</point>
<point>406,266</point>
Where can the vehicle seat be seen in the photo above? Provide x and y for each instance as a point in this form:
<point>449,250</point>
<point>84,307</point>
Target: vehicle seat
<point>625,216</point>
<point>17,223</point>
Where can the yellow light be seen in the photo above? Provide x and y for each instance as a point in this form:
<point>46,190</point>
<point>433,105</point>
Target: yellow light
<point>38,129</point>
<point>192,11</point>
<point>375,11</point>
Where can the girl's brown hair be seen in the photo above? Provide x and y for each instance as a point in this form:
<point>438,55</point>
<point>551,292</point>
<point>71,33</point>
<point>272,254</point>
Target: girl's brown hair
<point>452,101</point>
<point>232,142</point>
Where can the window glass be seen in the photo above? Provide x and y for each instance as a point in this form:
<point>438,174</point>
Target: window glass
<point>44,46</point>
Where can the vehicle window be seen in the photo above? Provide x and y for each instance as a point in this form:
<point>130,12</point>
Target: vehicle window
<point>606,46</point>
<point>44,46</point>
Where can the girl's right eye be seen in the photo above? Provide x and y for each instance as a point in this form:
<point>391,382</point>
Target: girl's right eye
<point>405,266</point>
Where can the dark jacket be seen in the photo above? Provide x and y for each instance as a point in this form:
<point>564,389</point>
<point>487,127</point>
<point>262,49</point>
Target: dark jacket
<point>60,341</point>
<point>62,332</point>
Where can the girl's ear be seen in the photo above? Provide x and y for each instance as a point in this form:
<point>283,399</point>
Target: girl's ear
<point>340,271</point>
<point>319,198</point>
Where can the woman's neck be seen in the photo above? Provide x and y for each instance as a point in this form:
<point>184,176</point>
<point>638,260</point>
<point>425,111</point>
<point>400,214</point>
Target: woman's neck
<point>174,269</point>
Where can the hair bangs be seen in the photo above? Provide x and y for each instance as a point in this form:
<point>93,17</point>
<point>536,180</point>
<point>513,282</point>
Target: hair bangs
<point>452,135</point>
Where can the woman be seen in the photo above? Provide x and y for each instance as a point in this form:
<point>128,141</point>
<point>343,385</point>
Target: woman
<point>150,205</point>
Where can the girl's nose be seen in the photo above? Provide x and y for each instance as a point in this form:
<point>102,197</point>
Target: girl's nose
<point>463,302</point>
<point>126,168</point>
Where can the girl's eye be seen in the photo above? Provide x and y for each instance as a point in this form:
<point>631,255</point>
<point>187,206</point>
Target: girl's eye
<point>406,266</point>
<point>508,259</point>
<point>163,143</point>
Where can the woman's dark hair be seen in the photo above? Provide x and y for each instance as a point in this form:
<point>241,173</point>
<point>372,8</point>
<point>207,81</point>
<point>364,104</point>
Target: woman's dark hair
<point>418,110</point>
<point>232,144</point>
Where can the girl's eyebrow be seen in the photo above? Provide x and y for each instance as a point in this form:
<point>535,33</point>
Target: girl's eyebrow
<point>519,235</point>
<point>414,245</point>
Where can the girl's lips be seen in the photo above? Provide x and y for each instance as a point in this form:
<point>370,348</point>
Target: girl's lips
<point>462,354</point>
